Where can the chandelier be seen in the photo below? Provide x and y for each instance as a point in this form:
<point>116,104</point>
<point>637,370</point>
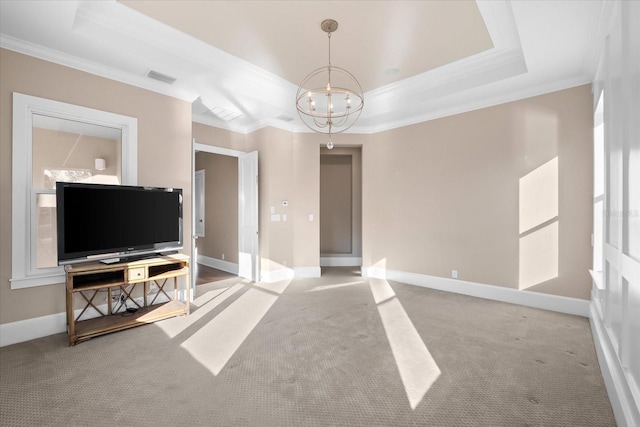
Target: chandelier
<point>329,99</point>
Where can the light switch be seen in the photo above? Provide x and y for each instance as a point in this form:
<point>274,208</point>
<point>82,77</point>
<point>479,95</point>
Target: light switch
<point>284,217</point>
<point>310,217</point>
<point>273,209</point>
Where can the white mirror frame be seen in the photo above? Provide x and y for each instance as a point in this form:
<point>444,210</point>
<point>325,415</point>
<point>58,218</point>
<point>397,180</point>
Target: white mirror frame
<point>23,250</point>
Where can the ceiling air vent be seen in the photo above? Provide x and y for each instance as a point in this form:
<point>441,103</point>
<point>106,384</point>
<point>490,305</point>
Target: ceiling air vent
<point>224,114</point>
<point>161,77</point>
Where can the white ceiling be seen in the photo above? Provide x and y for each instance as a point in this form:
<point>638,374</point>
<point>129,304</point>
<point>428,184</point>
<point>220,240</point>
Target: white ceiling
<point>245,59</point>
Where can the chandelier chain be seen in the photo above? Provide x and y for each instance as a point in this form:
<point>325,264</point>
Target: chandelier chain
<point>329,34</point>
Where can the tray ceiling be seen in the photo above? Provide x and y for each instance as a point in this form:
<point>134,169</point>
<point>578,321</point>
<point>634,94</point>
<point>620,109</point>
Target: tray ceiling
<point>239,62</point>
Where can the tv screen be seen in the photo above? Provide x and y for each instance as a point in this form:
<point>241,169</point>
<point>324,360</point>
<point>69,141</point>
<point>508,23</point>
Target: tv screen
<point>96,221</point>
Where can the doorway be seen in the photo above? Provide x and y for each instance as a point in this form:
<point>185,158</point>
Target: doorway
<point>245,206</point>
<point>340,207</point>
<point>216,214</point>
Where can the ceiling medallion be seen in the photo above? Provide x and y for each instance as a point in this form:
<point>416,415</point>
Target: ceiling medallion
<point>330,98</point>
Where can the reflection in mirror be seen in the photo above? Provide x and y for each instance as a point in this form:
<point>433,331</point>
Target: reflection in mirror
<point>66,150</point>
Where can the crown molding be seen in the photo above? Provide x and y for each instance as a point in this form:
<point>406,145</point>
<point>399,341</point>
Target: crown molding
<point>483,65</point>
<point>504,60</point>
<point>500,22</point>
<point>112,17</point>
<point>482,98</point>
<point>488,78</point>
<point>438,110</point>
<point>440,84</point>
<point>60,58</point>
<point>104,18</point>
<point>445,107</point>
<point>246,129</point>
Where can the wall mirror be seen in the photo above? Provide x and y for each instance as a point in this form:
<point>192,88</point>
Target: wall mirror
<point>55,141</point>
<point>67,151</point>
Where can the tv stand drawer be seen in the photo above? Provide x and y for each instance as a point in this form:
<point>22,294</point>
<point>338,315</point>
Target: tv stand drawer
<point>138,273</point>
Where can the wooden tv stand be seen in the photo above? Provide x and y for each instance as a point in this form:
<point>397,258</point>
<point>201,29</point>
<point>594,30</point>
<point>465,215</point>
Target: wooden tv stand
<point>121,294</point>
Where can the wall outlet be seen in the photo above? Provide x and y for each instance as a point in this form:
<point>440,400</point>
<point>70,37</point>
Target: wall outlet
<point>223,257</point>
<point>454,274</point>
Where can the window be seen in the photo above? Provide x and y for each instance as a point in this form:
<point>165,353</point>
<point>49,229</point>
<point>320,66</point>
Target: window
<point>54,141</point>
<point>598,184</point>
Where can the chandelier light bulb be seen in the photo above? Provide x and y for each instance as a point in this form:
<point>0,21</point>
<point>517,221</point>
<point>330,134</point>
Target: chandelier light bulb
<point>330,145</point>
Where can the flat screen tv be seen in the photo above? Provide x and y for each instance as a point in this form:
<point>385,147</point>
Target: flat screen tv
<point>116,222</point>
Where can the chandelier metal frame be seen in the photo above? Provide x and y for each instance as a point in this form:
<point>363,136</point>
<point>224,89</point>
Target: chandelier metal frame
<point>338,107</point>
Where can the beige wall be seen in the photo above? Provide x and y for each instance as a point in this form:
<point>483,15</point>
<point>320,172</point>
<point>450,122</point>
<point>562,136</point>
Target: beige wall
<point>164,153</point>
<point>276,183</point>
<point>217,137</point>
<point>444,194</point>
<point>221,206</point>
<point>437,196</point>
<point>306,199</point>
<point>289,169</point>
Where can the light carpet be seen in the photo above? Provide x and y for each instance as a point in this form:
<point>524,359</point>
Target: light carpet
<point>335,351</point>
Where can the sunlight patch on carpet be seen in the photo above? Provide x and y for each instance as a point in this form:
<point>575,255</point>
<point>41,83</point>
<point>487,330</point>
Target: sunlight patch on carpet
<point>205,303</point>
<point>216,342</point>
<point>339,285</point>
<point>417,368</point>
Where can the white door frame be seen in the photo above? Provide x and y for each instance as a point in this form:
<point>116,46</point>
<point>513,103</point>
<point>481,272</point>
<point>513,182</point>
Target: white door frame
<point>232,153</point>
<point>248,242</point>
<point>199,200</point>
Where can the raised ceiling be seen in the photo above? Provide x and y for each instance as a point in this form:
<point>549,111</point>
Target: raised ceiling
<point>239,62</point>
<point>372,40</point>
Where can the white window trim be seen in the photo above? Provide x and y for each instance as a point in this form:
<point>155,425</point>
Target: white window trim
<point>23,246</point>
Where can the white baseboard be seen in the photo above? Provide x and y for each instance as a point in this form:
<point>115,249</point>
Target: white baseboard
<point>289,273</point>
<point>29,329</point>
<point>24,330</point>
<point>625,409</point>
<point>307,272</point>
<point>335,261</point>
<point>219,264</point>
<point>550,302</point>
<point>277,275</point>
<point>38,327</point>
